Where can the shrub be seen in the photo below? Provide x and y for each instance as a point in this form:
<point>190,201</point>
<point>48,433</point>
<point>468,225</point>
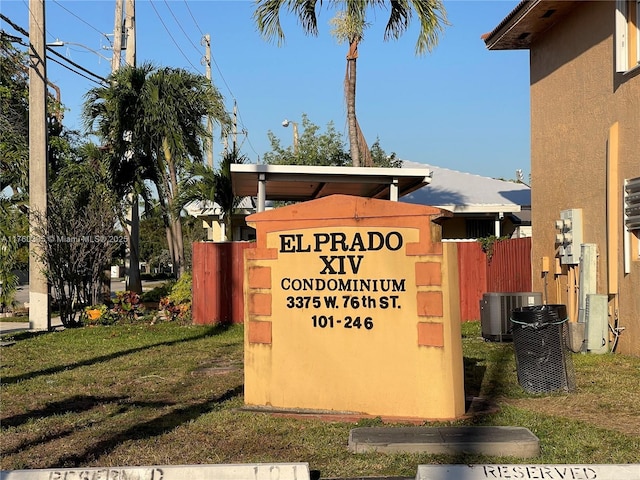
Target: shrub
<point>98,315</point>
<point>177,305</point>
<point>155,294</point>
<point>181,291</point>
<point>127,306</point>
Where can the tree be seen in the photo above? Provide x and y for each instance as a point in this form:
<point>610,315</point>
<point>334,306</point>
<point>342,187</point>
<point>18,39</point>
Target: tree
<point>14,120</point>
<point>112,112</point>
<point>151,122</point>
<point>379,157</point>
<point>153,240</point>
<point>349,25</point>
<point>213,187</point>
<point>14,161</point>
<point>176,102</point>
<point>328,149</point>
<point>314,148</point>
<point>77,234</point>
<point>9,245</point>
<point>14,123</point>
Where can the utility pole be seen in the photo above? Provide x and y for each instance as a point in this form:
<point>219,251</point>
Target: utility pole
<point>39,309</point>
<point>132,262</point>
<point>235,126</point>
<point>206,41</point>
<point>134,282</point>
<point>130,27</point>
<point>117,37</point>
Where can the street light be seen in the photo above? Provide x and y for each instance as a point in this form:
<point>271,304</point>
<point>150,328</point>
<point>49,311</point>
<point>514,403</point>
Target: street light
<point>60,43</point>
<point>285,123</point>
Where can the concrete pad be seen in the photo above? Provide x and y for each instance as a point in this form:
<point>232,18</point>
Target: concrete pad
<point>250,471</point>
<point>527,472</point>
<point>494,441</point>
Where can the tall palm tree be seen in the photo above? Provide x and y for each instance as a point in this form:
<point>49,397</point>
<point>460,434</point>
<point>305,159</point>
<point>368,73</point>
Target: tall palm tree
<point>176,102</point>
<point>349,26</point>
<point>151,121</point>
<point>112,112</point>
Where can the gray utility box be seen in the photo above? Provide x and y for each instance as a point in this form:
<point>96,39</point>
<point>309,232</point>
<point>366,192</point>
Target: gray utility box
<point>495,312</point>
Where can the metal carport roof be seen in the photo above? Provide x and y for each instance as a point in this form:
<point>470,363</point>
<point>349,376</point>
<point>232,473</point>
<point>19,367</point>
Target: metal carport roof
<point>301,183</point>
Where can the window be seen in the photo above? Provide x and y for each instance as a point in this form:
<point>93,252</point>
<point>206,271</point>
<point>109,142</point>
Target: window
<point>627,34</point>
<point>632,221</point>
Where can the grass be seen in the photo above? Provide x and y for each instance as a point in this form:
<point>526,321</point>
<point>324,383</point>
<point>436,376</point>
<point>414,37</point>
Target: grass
<point>169,394</point>
<point>15,319</point>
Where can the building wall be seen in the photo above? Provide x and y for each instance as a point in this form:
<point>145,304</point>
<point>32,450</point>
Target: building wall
<point>576,97</point>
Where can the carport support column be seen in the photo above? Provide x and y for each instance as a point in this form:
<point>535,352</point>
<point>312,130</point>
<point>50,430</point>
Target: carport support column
<point>499,217</point>
<point>393,190</point>
<point>262,191</point>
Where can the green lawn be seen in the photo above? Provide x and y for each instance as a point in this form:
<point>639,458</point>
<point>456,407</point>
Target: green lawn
<point>169,394</point>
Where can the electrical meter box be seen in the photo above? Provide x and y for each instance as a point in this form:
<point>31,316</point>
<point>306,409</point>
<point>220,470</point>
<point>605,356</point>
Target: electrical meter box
<point>569,236</point>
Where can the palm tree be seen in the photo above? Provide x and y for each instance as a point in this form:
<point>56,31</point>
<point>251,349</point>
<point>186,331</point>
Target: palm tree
<point>151,122</point>
<point>349,26</point>
<point>176,102</point>
<point>209,186</point>
<point>112,112</point>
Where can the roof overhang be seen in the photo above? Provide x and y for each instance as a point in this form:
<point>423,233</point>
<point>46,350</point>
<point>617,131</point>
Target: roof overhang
<point>527,22</point>
<point>301,183</point>
<point>488,209</point>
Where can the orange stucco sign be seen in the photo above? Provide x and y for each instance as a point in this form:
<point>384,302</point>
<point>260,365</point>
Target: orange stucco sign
<point>352,305</point>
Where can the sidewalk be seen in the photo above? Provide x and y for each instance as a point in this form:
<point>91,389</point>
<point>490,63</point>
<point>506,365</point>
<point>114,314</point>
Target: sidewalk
<point>13,327</point>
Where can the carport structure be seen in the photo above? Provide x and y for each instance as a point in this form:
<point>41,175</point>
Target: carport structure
<point>302,183</point>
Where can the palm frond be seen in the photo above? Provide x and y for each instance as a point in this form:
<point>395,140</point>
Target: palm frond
<point>433,18</point>
<point>267,17</point>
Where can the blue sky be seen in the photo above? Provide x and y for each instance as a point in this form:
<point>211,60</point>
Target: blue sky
<point>460,107</point>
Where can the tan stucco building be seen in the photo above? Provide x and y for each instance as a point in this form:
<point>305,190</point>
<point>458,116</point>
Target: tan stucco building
<point>585,153</point>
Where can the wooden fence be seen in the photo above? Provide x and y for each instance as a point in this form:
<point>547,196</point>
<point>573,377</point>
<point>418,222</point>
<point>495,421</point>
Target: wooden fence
<point>218,280</point>
<point>218,277</point>
<point>506,270</point>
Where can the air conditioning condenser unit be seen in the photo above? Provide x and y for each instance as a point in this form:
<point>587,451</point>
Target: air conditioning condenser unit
<point>495,312</point>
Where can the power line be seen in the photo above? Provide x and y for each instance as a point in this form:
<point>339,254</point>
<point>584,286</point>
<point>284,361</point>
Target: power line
<point>15,27</point>
<point>50,49</point>
<point>77,65</point>
<point>193,18</point>
<point>82,20</point>
<point>180,26</point>
<point>74,71</point>
<point>171,36</point>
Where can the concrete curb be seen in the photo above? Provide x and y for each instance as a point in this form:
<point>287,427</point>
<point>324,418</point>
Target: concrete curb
<point>494,441</point>
<point>250,471</point>
<point>529,472</point>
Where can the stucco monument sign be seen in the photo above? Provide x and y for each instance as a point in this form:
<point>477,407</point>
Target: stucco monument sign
<point>351,305</point>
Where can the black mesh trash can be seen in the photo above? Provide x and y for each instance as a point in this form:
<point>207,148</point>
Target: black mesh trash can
<point>543,361</point>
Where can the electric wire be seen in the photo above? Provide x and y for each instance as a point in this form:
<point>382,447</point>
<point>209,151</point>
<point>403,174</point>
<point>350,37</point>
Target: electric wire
<point>218,69</point>
<point>74,71</point>
<point>193,18</point>
<point>82,20</point>
<point>76,65</point>
<point>151,2</point>
<point>50,49</point>
<point>244,129</point>
<point>180,26</point>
